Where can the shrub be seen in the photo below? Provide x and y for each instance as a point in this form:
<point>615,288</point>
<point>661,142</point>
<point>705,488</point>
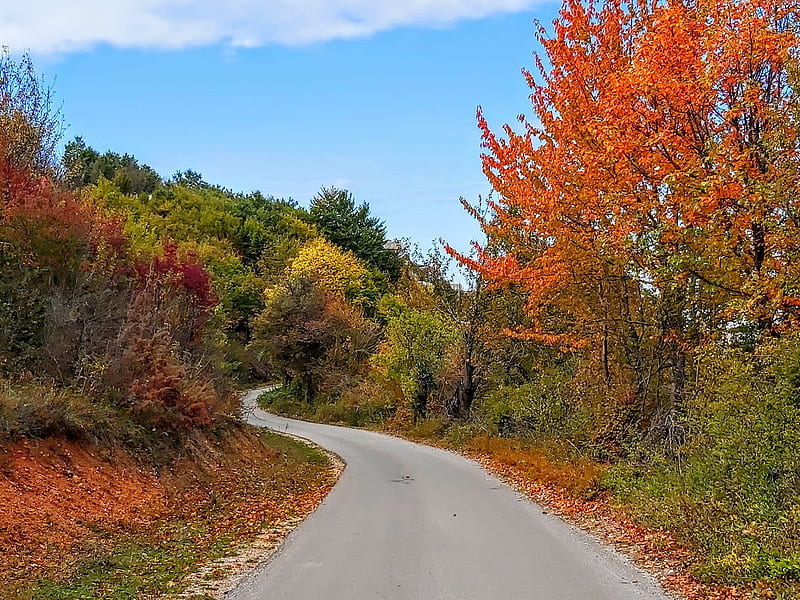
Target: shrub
<point>733,493</point>
<point>538,409</point>
<point>38,411</point>
<point>579,475</point>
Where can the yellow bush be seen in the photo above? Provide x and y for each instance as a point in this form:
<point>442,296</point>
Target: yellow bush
<point>334,270</point>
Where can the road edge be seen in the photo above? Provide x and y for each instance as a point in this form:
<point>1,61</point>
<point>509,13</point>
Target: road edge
<point>257,553</point>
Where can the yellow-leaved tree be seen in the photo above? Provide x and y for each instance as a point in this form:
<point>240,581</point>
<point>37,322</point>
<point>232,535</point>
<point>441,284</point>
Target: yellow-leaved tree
<point>336,271</point>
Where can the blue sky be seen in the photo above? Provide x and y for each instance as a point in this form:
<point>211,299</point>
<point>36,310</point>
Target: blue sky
<point>363,95</point>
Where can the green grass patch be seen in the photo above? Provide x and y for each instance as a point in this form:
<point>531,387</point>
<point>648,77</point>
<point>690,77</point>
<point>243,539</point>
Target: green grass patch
<point>284,401</point>
<point>294,450</point>
<point>138,569</point>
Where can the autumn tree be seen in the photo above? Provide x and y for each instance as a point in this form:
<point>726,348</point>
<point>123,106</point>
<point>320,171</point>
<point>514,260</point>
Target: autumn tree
<point>652,202</point>
<point>337,271</point>
<point>30,125</point>
<point>458,298</point>
<point>312,335</point>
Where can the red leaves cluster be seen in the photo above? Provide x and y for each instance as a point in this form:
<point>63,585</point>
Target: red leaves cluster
<point>183,273</point>
<point>154,310</point>
<point>162,390</point>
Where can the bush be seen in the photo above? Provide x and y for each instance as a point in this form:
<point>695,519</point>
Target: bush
<point>288,401</point>
<point>578,475</point>
<point>534,410</point>
<point>313,337</point>
<point>38,411</point>
<point>733,493</point>
<point>283,401</point>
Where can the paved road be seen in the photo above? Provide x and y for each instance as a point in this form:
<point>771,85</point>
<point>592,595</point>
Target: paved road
<point>409,522</point>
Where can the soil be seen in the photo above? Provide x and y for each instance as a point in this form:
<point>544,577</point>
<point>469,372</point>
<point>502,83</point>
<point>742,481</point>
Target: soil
<point>65,503</point>
<point>56,495</point>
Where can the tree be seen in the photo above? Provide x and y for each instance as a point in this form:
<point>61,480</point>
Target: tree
<point>415,353</point>
<point>30,126</point>
<point>352,228</point>
<point>336,271</point>
<point>85,166</point>
<point>78,161</point>
<point>312,335</point>
<point>655,203</point>
<point>458,297</point>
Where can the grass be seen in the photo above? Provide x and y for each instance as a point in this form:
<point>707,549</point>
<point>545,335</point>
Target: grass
<point>138,569</point>
<point>34,410</point>
<point>579,476</point>
<point>294,450</point>
<point>283,401</point>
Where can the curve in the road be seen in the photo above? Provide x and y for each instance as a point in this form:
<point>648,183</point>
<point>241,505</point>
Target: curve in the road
<point>410,522</point>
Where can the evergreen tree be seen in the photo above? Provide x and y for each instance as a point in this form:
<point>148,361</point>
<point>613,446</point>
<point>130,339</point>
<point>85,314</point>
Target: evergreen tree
<point>351,227</point>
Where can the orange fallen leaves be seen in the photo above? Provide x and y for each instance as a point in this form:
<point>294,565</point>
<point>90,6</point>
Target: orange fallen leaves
<point>63,502</point>
<point>55,492</point>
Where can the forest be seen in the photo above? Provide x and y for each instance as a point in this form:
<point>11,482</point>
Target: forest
<point>627,330</point>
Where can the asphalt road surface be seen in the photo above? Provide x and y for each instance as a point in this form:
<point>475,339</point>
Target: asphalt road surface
<point>410,522</point>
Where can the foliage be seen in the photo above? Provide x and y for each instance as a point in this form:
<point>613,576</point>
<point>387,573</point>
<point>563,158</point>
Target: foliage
<point>539,409</point>
<point>85,166</point>
<point>312,336</point>
<point>30,410</point>
<point>352,228</point>
<point>338,272</point>
<point>651,205</point>
<point>86,302</point>
<point>732,494</point>
<point>31,126</point>
<point>578,475</point>
<point>414,355</point>
<point>351,410</point>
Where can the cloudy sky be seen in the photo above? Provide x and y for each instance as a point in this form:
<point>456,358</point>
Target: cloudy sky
<point>286,96</point>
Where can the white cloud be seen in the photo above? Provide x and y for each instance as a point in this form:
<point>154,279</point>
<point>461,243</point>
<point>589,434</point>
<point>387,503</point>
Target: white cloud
<point>62,26</point>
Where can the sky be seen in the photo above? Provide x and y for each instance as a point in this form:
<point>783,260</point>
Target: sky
<point>374,96</point>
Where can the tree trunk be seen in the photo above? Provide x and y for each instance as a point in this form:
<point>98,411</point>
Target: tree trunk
<point>460,404</point>
<point>308,388</point>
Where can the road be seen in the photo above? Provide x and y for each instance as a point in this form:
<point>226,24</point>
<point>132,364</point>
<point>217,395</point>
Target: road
<point>410,522</point>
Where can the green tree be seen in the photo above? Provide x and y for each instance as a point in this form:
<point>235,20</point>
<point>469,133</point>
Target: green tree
<point>83,166</point>
<point>353,228</point>
<point>415,353</point>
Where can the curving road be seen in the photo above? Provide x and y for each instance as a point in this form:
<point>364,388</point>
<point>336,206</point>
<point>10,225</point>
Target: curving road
<point>410,522</point>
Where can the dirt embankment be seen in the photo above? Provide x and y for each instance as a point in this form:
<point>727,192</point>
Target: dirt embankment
<point>57,494</point>
<point>65,504</point>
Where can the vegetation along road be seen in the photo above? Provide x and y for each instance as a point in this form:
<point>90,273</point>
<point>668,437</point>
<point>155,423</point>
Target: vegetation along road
<point>412,522</point>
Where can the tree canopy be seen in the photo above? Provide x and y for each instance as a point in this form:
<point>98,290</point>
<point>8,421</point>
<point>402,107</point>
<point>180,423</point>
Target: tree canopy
<point>352,228</point>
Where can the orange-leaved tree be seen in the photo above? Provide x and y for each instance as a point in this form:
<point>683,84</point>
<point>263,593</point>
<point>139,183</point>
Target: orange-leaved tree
<point>652,202</point>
